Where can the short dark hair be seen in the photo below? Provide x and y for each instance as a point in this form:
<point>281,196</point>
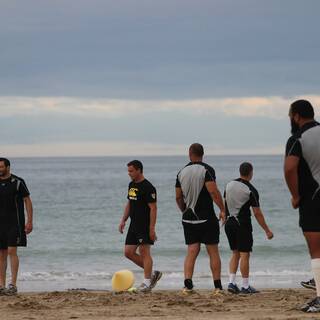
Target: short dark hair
<point>196,149</point>
<point>136,164</point>
<point>303,108</point>
<point>245,169</point>
<point>6,161</point>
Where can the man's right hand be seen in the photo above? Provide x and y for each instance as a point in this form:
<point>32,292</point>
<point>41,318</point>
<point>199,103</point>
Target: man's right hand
<point>269,234</point>
<point>121,226</point>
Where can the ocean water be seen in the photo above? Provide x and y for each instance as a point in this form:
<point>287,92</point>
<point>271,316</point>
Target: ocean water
<point>78,203</point>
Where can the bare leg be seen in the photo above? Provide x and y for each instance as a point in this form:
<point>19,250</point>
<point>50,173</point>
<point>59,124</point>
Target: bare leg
<point>215,262</point>
<point>313,241</point>
<point>130,252</point>
<point>3,267</point>
<point>192,254</point>
<point>14,263</point>
<point>145,255</point>
<point>244,264</point>
<point>234,262</point>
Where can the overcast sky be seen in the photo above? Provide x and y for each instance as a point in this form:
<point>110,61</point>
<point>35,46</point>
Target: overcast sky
<point>150,77</point>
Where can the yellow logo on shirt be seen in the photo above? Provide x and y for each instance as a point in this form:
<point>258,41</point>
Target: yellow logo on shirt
<point>133,193</point>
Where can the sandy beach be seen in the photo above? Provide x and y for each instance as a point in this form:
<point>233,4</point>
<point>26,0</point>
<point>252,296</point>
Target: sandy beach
<point>93,305</point>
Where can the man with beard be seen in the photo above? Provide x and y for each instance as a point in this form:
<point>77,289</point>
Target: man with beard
<point>142,210</point>
<point>302,174</point>
<point>14,195</point>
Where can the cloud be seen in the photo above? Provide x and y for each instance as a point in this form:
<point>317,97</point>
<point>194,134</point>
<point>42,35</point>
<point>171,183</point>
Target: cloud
<point>273,107</point>
<point>122,148</point>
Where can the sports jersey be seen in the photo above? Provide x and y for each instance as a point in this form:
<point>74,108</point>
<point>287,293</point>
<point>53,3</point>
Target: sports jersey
<point>199,205</point>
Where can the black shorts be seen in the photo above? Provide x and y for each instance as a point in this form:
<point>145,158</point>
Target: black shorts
<point>10,236</point>
<point>309,215</point>
<point>137,237</point>
<point>239,235</point>
<point>207,232</point>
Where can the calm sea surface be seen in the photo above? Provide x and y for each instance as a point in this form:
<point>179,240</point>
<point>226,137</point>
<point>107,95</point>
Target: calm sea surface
<point>78,203</point>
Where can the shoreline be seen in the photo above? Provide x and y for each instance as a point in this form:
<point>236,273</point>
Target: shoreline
<point>167,304</point>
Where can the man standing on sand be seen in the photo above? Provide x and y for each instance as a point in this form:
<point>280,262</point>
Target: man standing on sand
<point>14,196</point>
<point>142,210</point>
<point>302,174</point>
<point>195,190</point>
<point>240,195</point>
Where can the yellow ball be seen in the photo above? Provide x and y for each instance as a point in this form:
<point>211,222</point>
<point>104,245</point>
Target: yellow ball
<point>122,280</point>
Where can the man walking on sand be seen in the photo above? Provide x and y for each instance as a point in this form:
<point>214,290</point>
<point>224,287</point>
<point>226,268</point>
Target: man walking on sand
<point>14,196</point>
<point>196,190</point>
<point>142,210</point>
<point>240,195</point>
<point>302,174</point>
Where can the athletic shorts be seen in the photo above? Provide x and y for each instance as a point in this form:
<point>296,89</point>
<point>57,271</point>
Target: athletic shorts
<point>239,235</point>
<point>207,232</point>
<point>137,237</point>
<point>10,237</point>
<point>309,215</point>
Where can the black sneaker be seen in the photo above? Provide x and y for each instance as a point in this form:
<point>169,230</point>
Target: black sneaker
<point>309,284</point>
<point>155,278</point>
<point>249,290</point>
<point>12,290</point>
<point>3,291</point>
<point>233,288</point>
<point>312,307</point>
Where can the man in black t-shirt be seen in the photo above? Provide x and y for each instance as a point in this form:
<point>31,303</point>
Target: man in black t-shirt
<point>14,195</point>
<point>302,174</point>
<point>240,195</point>
<point>142,210</point>
<point>196,190</point>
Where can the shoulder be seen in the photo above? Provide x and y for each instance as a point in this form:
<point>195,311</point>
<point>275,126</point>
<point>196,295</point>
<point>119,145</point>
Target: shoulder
<point>148,184</point>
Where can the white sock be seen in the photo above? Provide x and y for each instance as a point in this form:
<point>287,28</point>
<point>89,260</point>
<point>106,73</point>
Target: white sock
<point>232,278</point>
<point>245,283</point>
<point>147,282</point>
<point>315,266</point>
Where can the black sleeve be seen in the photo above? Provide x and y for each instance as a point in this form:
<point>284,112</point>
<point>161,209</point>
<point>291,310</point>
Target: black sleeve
<point>210,174</point>
<point>151,194</point>
<point>23,190</point>
<point>178,184</point>
<point>128,195</point>
<point>293,147</point>
<point>254,198</point>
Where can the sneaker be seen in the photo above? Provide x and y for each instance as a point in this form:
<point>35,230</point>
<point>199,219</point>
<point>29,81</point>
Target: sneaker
<point>309,284</point>
<point>12,290</point>
<point>217,292</point>
<point>144,288</point>
<point>312,307</point>
<point>3,291</point>
<point>233,288</point>
<point>186,291</point>
<point>155,278</point>
<point>249,290</point>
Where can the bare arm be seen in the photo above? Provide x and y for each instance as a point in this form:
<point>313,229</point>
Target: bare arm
<point>29,209</point>
<point>153,220</point>
<point>291,175</point>
<point>260,219</point>
<point>124,217</point>
<point>179,200</point>
<point>217,198</point>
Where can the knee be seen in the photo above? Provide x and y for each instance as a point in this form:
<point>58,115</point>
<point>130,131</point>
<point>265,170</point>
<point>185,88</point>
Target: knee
<point>244,255</point>
<point>128,253</point>
<point>193,252</point>
<point>12,252</point>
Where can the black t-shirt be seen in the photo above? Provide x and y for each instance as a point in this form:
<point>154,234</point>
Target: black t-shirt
<point>305,144</point>
<point>140,195</point>
<point>12,192</point>
<point>191,179</point>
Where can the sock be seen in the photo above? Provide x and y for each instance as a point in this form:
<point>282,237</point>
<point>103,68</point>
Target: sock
<point>217,284</point>
<point>245,283</point>
<point>188,284</point>
<point>232,278</point>
<point>315,266</point>
<point>147,282</point>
